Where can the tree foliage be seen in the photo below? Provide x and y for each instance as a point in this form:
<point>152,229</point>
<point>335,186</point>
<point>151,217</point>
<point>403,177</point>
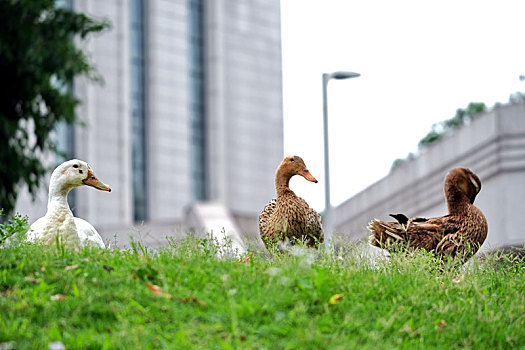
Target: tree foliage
<point>15,225</point>
<point>438,130</point>
<point>38,61</point>
<point>462,116</point>
<point>517,97</point>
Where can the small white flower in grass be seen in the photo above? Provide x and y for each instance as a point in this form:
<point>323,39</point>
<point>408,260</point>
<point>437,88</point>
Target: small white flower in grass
<point>225,278</point>
<point>309,259</point>
<point>298,251</point>
<point>285,281</point>
<point>57,345</point>
<point>10,345</point>
<point>232,292</point>
<point>306,253</point>
<point>272,271</point>
<point>279,315</point>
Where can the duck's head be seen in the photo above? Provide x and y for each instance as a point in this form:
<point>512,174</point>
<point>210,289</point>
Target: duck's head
<point>74,173</point>
<point>464,180</point>
<point>294,165</point>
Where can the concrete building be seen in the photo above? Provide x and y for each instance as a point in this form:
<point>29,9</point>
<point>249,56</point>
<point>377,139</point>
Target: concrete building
<point>190,111</point>
<point>493,146</point>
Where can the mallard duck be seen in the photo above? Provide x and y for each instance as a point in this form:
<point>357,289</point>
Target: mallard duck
<point>461,232</point>
<point>59,220</point>
<point>289,217</point>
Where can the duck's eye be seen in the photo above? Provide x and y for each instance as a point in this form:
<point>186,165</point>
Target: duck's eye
<point>75,166</point>
<point>292,160</point>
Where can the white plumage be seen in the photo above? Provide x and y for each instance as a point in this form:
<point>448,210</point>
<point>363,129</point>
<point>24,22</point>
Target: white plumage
<point>59,221</point>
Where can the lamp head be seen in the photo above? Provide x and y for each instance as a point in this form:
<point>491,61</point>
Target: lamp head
<point>344,75</point>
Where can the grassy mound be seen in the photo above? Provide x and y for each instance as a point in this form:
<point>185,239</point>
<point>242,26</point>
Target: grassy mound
<point>183,296</point>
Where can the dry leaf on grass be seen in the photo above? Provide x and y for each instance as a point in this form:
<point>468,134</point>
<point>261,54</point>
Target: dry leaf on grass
<point>246,258</point>
<point>72,267</point>
<point>407,329</point>
<point>459,279</point>
<point>336,298</point>
<point>193,300</point>
<point>57,297</point>
<point>154,288</point>
<point>232,336</point>
<point>158,291</point>
<point>31,279</point>
<point>442,325</point>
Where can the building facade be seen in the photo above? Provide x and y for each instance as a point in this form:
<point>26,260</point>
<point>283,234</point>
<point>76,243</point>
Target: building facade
<point>493,146</point>
<point>190,110</point>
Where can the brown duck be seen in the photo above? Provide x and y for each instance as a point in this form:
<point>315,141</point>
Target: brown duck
<point>289,217</point>
<point>461,232</point>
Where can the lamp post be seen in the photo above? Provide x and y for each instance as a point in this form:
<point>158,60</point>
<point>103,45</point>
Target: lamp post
<point>328,212</point>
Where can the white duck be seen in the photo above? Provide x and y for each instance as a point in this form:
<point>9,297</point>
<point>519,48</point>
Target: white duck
<point>59,220</point>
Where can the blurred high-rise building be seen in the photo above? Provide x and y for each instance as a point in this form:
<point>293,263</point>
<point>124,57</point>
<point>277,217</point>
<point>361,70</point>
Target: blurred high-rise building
<point>190,110</point>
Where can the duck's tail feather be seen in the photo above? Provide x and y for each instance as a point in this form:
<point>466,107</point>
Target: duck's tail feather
<point>382,233</point>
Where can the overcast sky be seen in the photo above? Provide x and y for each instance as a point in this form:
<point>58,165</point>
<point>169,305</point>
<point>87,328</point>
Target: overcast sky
<point>419,61</point>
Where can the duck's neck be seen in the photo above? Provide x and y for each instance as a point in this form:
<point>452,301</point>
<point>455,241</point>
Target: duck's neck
<point>57,201</point>
<point>457,201</point>
<point>282,184</point>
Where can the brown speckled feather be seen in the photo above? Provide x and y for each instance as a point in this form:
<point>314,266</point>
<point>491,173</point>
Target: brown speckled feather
<point>265,215</point>
<point>461,232</point>
<point>314,228</point>
<point>289,217</point>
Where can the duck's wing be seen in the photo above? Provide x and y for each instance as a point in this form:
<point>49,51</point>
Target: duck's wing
<point>265,215</point>
<point>461,236</point>
<point>418,233</point>
<point>87,234</point>
<point>36,229</point>
<point>314,226</point>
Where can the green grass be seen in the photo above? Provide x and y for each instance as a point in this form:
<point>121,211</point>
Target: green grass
<point>100,299</point>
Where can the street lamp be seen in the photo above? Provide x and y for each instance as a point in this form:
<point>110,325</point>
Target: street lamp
<point>328,212</point>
